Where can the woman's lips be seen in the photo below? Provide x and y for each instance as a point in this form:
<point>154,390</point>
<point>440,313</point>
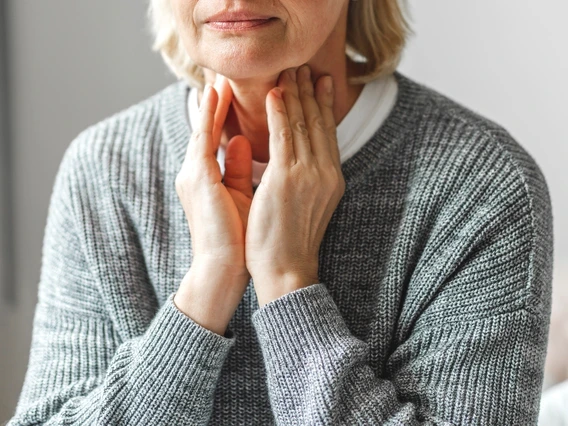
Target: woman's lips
<point>239,25</point>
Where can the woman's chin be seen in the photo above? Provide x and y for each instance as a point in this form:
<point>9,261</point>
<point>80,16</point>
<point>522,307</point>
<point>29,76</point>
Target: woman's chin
<point>245,57</point>
<point>246,73</point>
<point>245,68</point>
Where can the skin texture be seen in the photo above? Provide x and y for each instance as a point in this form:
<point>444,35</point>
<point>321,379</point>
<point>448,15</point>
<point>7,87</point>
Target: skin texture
<point>267,106</point>
<point>311,32</point>
<point>300,189</point>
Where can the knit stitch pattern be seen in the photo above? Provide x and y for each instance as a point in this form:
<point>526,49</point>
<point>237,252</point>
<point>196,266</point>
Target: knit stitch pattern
<point>432,307</point>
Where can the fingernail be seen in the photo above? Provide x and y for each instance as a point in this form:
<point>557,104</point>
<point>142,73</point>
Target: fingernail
<point>278,92</point>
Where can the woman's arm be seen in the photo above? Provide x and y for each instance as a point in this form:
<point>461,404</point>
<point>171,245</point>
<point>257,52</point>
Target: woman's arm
<point>474,350</point>
<point>472,372</point>
<point>80,371</point>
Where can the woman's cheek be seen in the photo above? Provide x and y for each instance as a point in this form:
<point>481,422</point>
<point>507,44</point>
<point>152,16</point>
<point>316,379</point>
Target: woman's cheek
<point>182,11</point>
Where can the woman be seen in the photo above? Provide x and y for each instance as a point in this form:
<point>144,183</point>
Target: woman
<point>391,264</point>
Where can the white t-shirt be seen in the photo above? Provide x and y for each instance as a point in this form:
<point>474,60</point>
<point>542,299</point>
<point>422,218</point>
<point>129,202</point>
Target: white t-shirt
<point>365,117</point>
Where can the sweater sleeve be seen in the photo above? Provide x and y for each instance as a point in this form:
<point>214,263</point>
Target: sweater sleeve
<point>81,372</point>
<point>318,373</point>
<point>474,353</point>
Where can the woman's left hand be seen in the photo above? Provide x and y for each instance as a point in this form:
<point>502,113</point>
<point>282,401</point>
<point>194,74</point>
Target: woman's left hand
<point>300,188</point>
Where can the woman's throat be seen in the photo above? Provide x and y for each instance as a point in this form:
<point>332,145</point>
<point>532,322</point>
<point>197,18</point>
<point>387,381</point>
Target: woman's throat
<point>255,130</point>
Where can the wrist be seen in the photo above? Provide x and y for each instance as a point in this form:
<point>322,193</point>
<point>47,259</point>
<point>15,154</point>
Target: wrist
<point>273,286</point>
<point>205,266</point>
<point>210,296</point>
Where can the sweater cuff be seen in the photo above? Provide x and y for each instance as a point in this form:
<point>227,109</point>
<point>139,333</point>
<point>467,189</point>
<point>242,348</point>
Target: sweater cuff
<point>187,346</point>
<point>299,323</point>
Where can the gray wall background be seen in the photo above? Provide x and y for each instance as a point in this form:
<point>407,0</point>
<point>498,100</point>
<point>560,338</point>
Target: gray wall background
<point>72,64</point>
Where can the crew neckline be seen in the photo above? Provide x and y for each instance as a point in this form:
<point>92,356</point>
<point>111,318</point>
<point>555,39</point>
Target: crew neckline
<point>366,115</point>
<point>394,128</point>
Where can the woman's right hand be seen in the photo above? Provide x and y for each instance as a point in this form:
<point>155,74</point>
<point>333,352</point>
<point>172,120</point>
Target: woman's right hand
<point>216,209</point>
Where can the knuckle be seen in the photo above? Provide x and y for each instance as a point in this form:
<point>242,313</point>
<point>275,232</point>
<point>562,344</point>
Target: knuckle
<point>286,134</point>
<point>280,109</point>
<point>300,127</point>
<point>318,124</point>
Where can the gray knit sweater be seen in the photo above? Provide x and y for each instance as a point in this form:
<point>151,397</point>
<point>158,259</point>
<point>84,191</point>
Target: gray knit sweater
<point>433,305</point>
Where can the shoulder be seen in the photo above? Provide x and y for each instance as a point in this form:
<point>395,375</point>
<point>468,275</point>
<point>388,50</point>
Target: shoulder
<point>116,154</point>
<point>473,170</point>
<point>124,132</point>
<point>444,129</point>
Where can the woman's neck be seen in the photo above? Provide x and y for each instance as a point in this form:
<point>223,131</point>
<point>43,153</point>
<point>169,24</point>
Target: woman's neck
<point>247,114</point>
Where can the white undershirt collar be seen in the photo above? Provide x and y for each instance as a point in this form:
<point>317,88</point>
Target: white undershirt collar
<point>359,125</point>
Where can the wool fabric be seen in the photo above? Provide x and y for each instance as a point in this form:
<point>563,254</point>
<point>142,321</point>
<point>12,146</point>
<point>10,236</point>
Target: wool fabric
<point>432,305</point>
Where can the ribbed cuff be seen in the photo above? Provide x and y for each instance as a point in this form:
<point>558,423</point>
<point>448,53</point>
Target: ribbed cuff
<point>299,323</point>
<point>177,343</point>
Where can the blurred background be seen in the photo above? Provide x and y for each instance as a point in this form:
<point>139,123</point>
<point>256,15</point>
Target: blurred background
<point>65,65</point>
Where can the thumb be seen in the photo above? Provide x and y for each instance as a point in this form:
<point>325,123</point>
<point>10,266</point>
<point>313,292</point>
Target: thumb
<point>238,165</point>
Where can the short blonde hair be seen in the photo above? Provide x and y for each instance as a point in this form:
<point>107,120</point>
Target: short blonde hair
<point>376,34</point>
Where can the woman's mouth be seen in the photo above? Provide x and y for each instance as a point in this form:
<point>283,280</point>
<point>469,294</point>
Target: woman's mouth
<point>238,21</point>
<point>239,25</point>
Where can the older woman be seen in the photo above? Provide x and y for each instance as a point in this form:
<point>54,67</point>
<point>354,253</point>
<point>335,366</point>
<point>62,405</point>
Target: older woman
<point>309,238</point>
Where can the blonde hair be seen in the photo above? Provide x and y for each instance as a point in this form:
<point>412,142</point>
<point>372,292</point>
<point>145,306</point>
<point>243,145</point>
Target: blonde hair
<point>376,34</point>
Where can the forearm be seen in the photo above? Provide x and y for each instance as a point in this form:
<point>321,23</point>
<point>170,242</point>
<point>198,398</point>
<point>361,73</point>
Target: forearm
<point>209,294</point>
<point>320,373</point>
<point>171,370</point>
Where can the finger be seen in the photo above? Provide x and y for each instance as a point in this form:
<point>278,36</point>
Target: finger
<point>301,141</point>
<point>225,93</point>
<point>325,98</point>
<point>281,140</point>
<point>238,165</point>
<point>201,143</point>
<point>317,131</point>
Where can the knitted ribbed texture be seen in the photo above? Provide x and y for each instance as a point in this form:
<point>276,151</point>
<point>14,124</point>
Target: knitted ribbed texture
<point>432,307</point>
